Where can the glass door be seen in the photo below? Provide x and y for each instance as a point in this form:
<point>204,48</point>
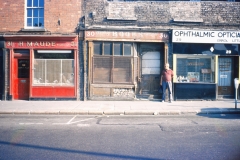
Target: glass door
<point>225,76</point>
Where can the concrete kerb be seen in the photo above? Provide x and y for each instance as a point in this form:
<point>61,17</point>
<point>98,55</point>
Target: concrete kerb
<point>121,112</point>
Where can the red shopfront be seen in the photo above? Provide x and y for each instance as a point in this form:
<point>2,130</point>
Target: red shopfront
<point>43,67</point>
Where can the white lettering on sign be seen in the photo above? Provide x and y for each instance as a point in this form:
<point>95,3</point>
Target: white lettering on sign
<point>223,76</point>
<point>162,36</point>
<point>199,36</point>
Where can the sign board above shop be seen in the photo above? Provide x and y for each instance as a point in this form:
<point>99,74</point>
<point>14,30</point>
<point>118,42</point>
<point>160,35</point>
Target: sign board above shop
<point>127,36</point>
<point>42,42</point>
<point>204,36</point>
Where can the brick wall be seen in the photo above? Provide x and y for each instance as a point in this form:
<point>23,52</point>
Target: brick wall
<point>67,11</point>
<point>163,15</point>
<point>11,15</point>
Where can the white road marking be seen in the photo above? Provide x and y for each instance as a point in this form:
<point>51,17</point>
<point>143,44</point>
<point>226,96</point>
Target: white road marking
<point>69,122</point>
<point>30,123</point>
<point>59,124</point>
<point>83,125</point>
<point>81,120</point>
<point>73,122</point>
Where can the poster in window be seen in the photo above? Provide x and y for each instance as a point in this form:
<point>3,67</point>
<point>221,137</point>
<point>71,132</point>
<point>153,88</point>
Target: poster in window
<point>193,76</point>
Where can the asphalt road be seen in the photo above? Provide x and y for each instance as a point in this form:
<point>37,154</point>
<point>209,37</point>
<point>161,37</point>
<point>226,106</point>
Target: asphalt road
<point>120,137</point>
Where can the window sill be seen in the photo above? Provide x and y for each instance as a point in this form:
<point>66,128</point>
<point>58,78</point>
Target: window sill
<point>33,30</point>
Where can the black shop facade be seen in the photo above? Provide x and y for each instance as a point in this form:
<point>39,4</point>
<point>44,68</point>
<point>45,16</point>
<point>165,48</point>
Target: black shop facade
<point>205,64</point>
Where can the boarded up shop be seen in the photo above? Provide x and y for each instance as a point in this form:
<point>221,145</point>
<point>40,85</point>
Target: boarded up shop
<point>125,64</point>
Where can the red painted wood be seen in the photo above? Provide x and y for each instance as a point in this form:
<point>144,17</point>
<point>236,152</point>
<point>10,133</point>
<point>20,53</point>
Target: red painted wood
<point>20,85</point>
<point>53,91</point>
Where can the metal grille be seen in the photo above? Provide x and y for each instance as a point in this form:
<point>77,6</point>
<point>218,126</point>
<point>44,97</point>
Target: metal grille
<point>112,69</point>
<point>102,69</point>
<point>122,70</point>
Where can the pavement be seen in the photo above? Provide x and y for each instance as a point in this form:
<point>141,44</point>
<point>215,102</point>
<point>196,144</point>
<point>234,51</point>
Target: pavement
<point>136,107</point>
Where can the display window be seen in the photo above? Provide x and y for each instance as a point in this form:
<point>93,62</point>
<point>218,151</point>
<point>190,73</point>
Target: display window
<point>195,68</point>
<point>53,67</point>
<point>113,62</point>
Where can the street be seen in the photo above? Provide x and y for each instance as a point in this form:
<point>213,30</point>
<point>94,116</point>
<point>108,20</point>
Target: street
<point>181,137</point>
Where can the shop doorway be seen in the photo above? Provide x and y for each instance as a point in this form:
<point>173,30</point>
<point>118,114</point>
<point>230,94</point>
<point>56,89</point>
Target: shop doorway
<point>21,78</point>
<point>150,74</point>
<point>225,77</point>
<point>1,74</point>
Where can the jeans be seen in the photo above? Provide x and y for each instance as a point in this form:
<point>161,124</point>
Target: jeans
<point>167,85</point>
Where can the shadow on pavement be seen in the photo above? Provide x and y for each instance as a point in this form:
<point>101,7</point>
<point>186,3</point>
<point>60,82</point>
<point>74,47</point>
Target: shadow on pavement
<point>223,113</point>
<point>89,153</point>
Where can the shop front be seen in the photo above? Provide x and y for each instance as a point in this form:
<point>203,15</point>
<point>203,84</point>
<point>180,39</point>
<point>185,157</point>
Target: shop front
<point>205,63</point>
<point>125,64</point>
<point>42,67</point>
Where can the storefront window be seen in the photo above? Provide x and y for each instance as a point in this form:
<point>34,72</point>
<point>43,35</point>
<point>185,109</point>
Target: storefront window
<point>112,62</point>
<point>53,69</point>
<point>195,68</point>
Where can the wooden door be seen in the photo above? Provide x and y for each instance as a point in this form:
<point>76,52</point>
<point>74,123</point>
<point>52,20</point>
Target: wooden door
<point>21,79</point>
<point>150,74</point>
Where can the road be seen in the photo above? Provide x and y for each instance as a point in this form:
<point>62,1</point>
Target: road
<point>120,137</point>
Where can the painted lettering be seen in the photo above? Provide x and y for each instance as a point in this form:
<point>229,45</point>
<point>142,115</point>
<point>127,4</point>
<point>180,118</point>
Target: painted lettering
<point>36,44</point>
<point>20,43</point>
<point>29,44</point>
<point>42,44</point>
<point>48,44</point>
<point>9,44</point>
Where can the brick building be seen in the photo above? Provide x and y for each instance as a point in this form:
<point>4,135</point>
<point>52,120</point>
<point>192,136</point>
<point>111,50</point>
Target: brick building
<point>126,44</point>
<point>115,50</point>
<point>39,49</point>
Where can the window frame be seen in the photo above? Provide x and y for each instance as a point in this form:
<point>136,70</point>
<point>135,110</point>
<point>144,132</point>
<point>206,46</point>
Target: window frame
<point>32,16</point>
<point>64,78</point>
<point>202,72</point>
<point>114,58</point>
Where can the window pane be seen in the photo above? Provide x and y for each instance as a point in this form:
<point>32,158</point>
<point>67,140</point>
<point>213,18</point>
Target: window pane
<point>53,71</point>
<point>23,68</point>
<point>35,12</point>
<point>41,22</point>
<point>97,48</point>
<point>29,3</point>
<point>107,48</point>
<point>35,22</point>
<point>67,72</point>
<point>39,72</point>
<point>41,12</point>
<point>29,22</point>
<point>127,49</point>
<point>195,68</point>
<point>117,49</point>
<point>35,3</point>
<point>29,12</point>
<point>41,3</point>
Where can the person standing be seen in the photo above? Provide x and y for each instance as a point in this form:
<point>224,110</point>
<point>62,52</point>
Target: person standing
<point>166,82</point>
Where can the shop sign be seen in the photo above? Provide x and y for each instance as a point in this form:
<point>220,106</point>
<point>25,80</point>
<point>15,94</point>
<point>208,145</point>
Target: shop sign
<point>223,76</point>
<point>124,35</point>
<point>41,44</point>
<point>200,36</point>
